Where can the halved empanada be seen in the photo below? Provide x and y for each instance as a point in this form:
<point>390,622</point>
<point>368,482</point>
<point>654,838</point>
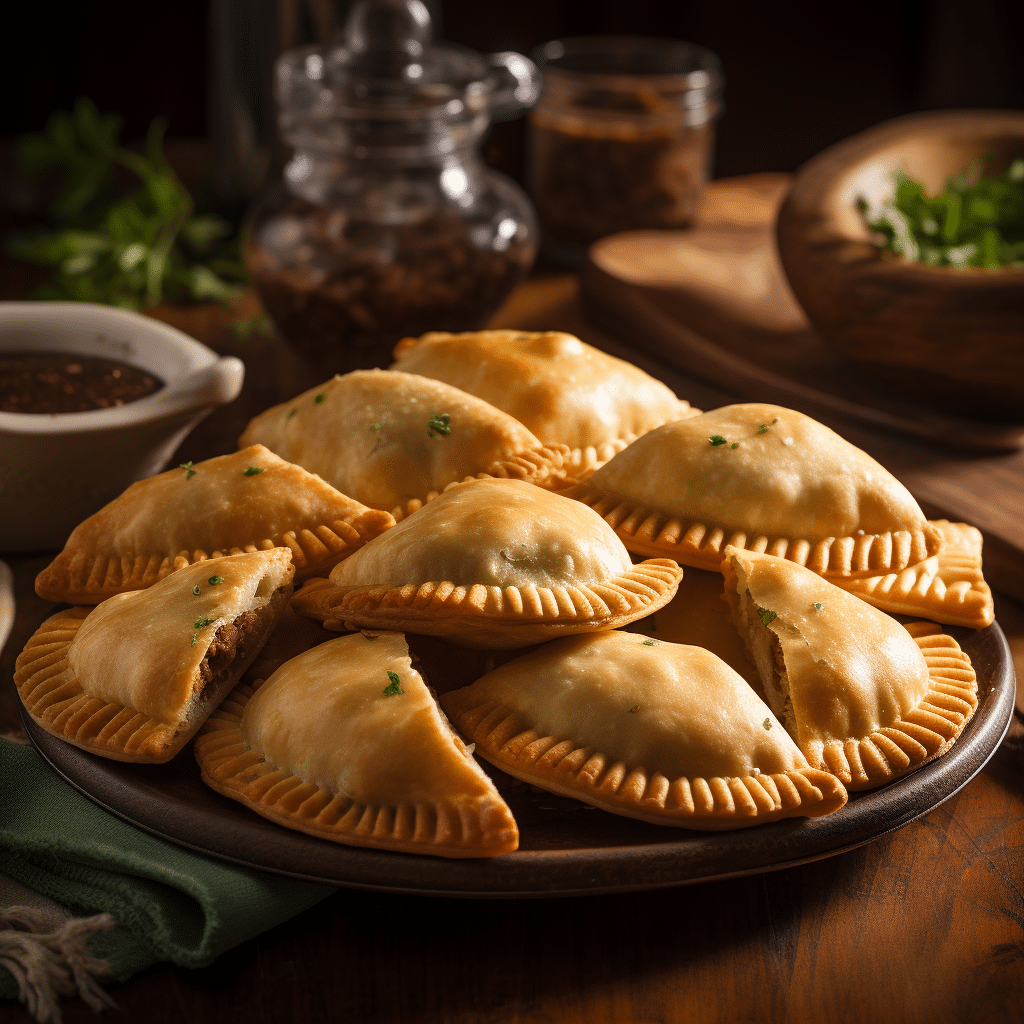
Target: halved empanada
<point>565,391</point>
<point>246,501</point>
<point>345,742</point>
<point>493,563</point>
<point>663,732</point>
<point>134,678</point>
<point>948,587</point>
<point>864,697</point>
<point>763,478</point>
<point>395,440</point>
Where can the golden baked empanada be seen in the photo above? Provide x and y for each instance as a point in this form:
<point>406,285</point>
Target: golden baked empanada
<point>948,587</point>
<point>565,391</point>
<point>395,440</point>
<point>345,742</point>
<point>699,615</point>
<point>663,732</point>
<point>763,478</point>
<point>134,678</point>
<point>246,501</point>
<point>864,697</point>
<point>493,563</point>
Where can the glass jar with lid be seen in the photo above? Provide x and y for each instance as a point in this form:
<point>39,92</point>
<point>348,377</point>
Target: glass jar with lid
<point>621,138</point>
<point>388,223</point>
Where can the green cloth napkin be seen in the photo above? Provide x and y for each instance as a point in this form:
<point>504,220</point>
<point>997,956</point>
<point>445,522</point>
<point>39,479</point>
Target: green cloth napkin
<point>170,904</point>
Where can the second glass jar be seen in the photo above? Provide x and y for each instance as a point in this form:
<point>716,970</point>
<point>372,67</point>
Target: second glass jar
<point>621,138</point>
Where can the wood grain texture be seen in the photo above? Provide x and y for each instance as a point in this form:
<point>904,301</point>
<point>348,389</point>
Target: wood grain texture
<point>715,303</point>
<point>700,343</point>
<point>921,927</point>
<point>944,335</point>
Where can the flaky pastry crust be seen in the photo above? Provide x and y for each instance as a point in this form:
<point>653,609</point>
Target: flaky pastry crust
<point>761,478</point>
<point>134,678</point>
<point>662,732</point>
<point>394,440</point>
<point>864,697</point>
<point>345,742</point>
<point>496,564</point>
<point>565,391</point>
<point>247,501</point>
<point>949,587</point>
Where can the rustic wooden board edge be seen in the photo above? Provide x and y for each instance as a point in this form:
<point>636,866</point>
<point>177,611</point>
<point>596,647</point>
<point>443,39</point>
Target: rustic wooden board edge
<point>631,313</point>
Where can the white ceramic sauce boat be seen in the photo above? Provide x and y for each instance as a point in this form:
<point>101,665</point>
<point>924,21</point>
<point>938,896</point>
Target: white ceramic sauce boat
<point>57,469</point>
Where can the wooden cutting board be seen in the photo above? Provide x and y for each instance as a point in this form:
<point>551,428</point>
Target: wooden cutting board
<point>655,322</point>
<point>713,301</point>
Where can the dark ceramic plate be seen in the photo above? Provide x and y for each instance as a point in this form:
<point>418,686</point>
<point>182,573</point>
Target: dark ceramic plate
<point>567,848</point>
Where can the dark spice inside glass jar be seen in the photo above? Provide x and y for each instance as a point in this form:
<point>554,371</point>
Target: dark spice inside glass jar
<point>590,179</point>
<point>387,222</point>
<point>621,139</point>
<point>59,382</point>
<point>344,292</point>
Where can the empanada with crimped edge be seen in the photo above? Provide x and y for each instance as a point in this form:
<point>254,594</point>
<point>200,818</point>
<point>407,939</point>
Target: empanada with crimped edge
<point>346,743</point>
<point>948,587</point>
<point>763,478</point>
<point>565,391</point>
<point>395,440</point>
<point>667,733</point>
<point>134,677</point>
<point>863,696</point>
<point>493,564</point>
<point>246,501</point>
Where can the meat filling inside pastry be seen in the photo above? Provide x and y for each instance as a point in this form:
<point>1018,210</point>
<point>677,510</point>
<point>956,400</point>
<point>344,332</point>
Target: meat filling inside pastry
<point>395,440</point>
<point>763,478</point>
<point>863,696</point>
<point>565,391</point>
<point>346,742</point>
<point>493,563</point>
<point>663,732</point>
<point>134,678</point>
<point>246,501</point>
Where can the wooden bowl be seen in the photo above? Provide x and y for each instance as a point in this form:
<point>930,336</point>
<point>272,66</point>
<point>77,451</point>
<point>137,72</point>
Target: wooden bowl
<point>950,338</point>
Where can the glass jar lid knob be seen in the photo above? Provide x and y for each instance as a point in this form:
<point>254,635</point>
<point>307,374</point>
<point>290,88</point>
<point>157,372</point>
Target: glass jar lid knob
<point>388,30</point>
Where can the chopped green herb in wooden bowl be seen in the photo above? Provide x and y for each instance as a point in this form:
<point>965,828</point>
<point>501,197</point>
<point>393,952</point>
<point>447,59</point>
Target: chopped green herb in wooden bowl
<point>976,221</point>
<point>905,246</point>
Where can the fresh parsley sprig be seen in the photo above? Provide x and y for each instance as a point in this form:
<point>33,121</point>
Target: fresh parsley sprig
<point>131,250</point>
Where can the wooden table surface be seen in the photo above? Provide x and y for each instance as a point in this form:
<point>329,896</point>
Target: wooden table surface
<point>923,925</point>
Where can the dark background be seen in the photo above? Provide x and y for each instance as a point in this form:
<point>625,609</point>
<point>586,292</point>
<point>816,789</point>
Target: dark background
<point>799,75</point>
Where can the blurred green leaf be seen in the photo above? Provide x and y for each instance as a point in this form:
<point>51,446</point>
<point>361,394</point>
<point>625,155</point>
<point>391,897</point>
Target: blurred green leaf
<point>207,285</point>
<point>131,256</point>
<point>129,249</point>
<point>99,133</point>
<point>201,232</point>
<point>258,326</point>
